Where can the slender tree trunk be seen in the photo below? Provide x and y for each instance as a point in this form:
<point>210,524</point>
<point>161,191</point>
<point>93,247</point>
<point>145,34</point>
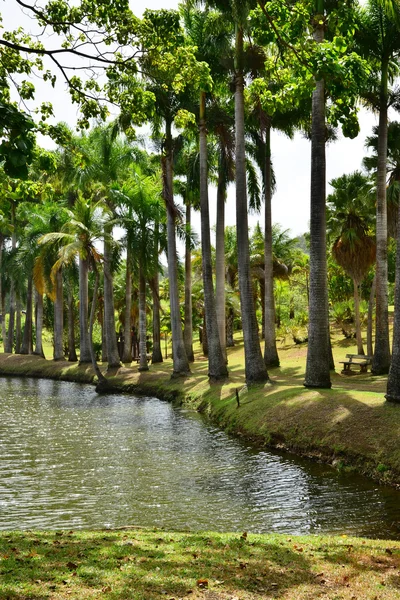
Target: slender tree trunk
<point>18,328</point>
<point>393,382</point>
<point>3,314</point>
<point>109,311</point>
<point>188,317</point>
<point>271,357</point>
<point>204,339</point>
<point>27,347</point>
<point>360,349</point>
<point>72,357</point>
<point>255,368</point>
<point>58,318</point>
<point>381,358</point>
<point>317,367</point>
<point>11,320</point>
<point>143,364</point>
<point>216,360</point>
<point>156,356</point>
<point>230,342</point>
<point>370,347</point>
<point>127,353</point>
<point>262,297</point>
<point>180,361</point>
<point>39,324</point>
<point>84,344</point>
<point>220,262</point>
<point>102,380</point>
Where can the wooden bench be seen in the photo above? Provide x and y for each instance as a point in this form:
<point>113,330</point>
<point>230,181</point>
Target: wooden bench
<point>359,360</point>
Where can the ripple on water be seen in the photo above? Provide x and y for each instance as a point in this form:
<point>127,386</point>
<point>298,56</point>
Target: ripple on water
<point>70,458</point>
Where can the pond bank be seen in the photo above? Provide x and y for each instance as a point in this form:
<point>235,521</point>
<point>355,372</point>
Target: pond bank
<point>350,426</point>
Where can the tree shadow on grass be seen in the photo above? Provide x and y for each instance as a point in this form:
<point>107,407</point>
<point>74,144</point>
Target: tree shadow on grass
<point>147,565</point>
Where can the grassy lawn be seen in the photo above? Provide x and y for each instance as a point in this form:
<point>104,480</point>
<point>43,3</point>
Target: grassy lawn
<point>151,564</point>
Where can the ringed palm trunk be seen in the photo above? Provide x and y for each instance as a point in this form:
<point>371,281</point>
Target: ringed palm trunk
<point>11,321</point>
<point>156,356</point>
<point>216,360</point>
<point>109,312</point>
<point>255,368</point>
<point>18,327</point>
<point>72,357</point>
<point>180,361</point>
<point>271,357</point>
<point>143,365</point>
<point>2,299</point>
<point>39,323</point>
<point>370,347</point>
<point>381,358</point>
<point>127,353</point>
<point>102,381</point>
<point>84,344</point>
<point>26,347</point>
<point>393,382</point>
<point>360,349</point>
<point>220,262</point>
<point>58,318</point>
<point>318,353</point>
<point>188,317</point>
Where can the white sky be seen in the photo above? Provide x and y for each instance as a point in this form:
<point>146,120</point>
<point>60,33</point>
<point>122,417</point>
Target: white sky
<point>291,158</point>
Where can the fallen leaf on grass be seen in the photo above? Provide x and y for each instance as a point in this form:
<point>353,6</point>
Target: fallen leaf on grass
<point>202,583</point>
<point>106,589</point>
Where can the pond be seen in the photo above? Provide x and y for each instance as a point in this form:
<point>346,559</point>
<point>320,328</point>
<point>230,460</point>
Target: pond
<point>70,458</point>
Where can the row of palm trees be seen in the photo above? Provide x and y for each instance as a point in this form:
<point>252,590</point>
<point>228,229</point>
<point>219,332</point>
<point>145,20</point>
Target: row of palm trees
<point>220,36</point>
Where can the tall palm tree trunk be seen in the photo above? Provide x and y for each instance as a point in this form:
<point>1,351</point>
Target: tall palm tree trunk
<point>393,382</point>
<point>3,314</point>
<point>156,356</point>
<point>318,354</point>
<point>18,324</point>
<point>216,361</point>
<point>84,343</point>
<point>371,301</point>
<point>58,318</point>
<point>11,320</point>
<point>39,323</point>
<point>188,317</point>
<point>143,364</point>
<point>360,349</point>
<point>255,369</point>
<point>109,311</point>
<point>127,353</point>
<point>26,347</point>
<point>220,261</point>
<point>381,358</point>
<point>271,357</point>
<point>72,357</point>
<point>180,361</point>
<point>102,380</point>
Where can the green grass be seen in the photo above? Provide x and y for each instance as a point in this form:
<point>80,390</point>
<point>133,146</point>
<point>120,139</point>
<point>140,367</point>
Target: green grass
<point>151,564</point>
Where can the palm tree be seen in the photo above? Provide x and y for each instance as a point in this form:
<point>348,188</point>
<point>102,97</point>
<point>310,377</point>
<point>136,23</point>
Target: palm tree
<point>143,194</point>
<point>379,40</point>
<point>349,219</point>
<point>79,238</point>
<point>108,157</point>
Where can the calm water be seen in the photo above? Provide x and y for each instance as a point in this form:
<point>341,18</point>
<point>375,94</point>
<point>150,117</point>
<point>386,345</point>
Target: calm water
<point>72,459</point>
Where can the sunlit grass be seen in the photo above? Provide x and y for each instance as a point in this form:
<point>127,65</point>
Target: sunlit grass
<point>152,564</point>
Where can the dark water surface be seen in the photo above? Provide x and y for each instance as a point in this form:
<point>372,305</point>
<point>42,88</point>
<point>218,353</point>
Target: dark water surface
<point>72,459</point>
